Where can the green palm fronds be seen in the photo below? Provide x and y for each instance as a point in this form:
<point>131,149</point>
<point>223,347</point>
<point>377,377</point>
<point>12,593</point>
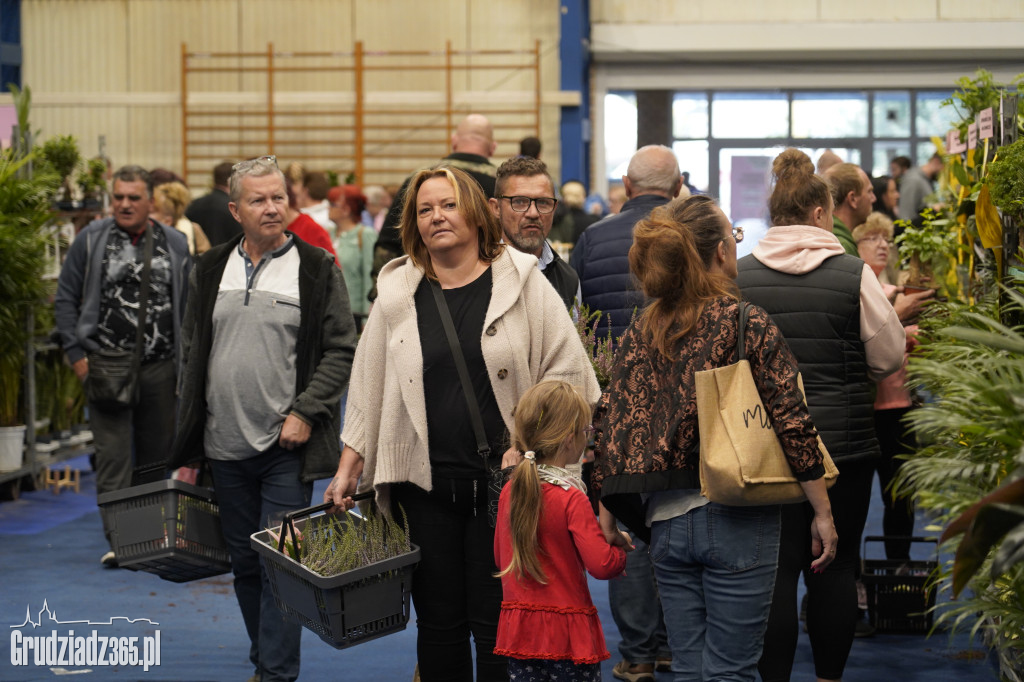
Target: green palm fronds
<point>971,438</point>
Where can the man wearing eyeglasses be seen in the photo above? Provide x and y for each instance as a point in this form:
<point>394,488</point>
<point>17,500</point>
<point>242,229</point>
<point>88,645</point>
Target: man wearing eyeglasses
<point>268,339</point>
<point>525,207</point>
<point>97,312</point>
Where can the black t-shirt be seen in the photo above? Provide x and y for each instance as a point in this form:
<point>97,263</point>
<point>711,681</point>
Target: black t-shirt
<point>453,452</point>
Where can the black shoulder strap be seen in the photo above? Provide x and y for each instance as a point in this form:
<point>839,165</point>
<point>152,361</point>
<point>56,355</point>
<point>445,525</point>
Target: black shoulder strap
<point>483,449</point>
<point>741,332</point>
<point>140,330</point>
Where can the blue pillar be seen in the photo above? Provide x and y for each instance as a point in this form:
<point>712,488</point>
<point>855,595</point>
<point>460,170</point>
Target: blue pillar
<point>574,51</point>
<point>10,43</point>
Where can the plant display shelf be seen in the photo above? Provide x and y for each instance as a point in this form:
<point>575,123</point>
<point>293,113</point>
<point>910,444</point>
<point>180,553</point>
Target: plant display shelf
<point>34,462</point>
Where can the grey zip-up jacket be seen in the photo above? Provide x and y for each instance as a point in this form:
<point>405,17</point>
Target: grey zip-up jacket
<point>77,304</point>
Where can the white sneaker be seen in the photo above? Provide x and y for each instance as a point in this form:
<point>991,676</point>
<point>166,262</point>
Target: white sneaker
<point>109,560</point>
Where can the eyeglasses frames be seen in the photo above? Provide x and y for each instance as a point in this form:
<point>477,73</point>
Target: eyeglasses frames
<point>737,234</point>
<point>242,166</point>
<point>877,239</point>
<point>544,205</point>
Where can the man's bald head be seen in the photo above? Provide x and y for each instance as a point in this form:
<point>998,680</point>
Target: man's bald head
<point>827,160</point>
<point>654,169</point>
<point>474,135</point>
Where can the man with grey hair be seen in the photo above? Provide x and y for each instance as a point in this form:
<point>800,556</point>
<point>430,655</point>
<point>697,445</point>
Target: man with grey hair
<point>268,341</point>
<point>99,295</point>
<point>601,258</point>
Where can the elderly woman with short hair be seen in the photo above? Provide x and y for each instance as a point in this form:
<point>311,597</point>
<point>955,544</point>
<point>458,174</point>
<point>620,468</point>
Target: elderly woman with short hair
<point>892,400</point>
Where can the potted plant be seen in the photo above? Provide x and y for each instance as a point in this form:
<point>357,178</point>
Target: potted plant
<point>966,473</point>
<point>25,201</point>
<point>929,252</point>
<point>344,576</point>
<point>61,153</point>
<point>92,181</point>
<point>1006,180</point>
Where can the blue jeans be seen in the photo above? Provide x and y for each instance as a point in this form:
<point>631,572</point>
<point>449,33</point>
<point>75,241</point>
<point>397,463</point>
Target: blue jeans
<point>636,609</point>
<point>716,570</point>
<point>250,492</point>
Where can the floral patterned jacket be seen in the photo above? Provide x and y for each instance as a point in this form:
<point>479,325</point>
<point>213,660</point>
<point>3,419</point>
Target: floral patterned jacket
<point>646,435</point>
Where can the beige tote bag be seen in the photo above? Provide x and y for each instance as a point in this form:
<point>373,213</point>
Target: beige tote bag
<point>741,461</point>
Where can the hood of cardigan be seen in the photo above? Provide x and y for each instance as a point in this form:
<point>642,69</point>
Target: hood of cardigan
<point>796,249</point>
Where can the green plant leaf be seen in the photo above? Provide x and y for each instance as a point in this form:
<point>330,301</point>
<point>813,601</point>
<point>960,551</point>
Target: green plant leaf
<point>1011,493</point>
<point>1010,552</point>
<point>960,173</point>
<point>991,524</point>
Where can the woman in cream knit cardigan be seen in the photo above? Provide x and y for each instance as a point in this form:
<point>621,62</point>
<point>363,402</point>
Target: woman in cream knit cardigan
<point>407,431</point>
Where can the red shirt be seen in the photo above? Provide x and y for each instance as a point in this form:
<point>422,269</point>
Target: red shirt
<point>309,231</point>
<point>556,621</point>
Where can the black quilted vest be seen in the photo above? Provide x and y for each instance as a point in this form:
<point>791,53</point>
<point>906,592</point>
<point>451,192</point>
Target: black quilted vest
<point>819,314</point>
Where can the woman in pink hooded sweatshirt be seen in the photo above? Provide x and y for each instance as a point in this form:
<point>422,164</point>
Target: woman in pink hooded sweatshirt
<point>845,335</point>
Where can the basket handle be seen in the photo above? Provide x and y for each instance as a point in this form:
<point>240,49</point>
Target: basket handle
<point>289,518</point>
<point>930,539</point>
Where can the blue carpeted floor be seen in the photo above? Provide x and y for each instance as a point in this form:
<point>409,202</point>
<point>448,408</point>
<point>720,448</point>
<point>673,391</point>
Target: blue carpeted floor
<point>51,550</point>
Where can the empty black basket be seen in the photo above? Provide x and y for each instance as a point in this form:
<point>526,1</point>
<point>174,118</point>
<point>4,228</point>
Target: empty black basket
<point>346,609</point>
<point>169,528</point>
<point>900,598</point>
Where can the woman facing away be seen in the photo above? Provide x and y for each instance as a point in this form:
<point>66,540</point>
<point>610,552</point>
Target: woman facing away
<point>844,333</point>
<point>408,431</point>
<point>715,564</point>
<point>546,538</point>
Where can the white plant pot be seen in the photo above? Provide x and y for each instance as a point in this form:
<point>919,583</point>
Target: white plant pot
<point>12,440</point>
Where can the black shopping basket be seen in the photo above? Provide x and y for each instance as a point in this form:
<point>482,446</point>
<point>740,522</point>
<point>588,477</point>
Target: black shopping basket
<point>346,609</point>
<point>168,528</point>
<point>900,593</point>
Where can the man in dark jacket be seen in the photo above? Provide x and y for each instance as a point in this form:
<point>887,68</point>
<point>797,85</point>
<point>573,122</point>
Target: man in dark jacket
<point>472,147</point>
<point>97,309</point>
<point>268,341</point>
<point>601,258</point>
<point>211,211</point>
<point>524,204</point>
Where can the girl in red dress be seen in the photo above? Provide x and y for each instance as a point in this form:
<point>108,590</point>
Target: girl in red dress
<point>546,536</point>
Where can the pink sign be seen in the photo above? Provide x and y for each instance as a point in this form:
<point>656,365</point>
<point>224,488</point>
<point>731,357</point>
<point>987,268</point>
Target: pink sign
<point>972,136</point>
<point>953,143</point>
<point>8,119</point>
<point>985,124</point>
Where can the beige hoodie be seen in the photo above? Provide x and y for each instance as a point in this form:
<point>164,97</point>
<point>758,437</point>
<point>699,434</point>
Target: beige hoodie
<point>799,249</point>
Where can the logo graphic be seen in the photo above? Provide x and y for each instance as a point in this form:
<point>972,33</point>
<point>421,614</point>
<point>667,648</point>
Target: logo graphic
<point>90,649</point>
